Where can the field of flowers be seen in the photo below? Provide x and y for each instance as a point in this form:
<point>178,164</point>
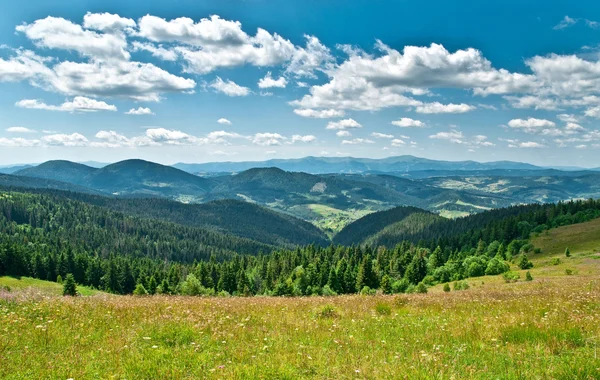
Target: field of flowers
<point>540,329</point>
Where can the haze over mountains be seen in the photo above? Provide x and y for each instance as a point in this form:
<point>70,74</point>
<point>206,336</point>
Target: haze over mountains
<point>343,190</point>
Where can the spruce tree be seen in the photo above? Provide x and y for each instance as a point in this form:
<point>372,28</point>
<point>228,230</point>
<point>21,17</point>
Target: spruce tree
<point>70,287</point>
<point>567,252</point>
<point>386,284</point>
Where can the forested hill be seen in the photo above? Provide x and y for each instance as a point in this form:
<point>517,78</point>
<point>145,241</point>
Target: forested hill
<point>360,230</point>
<point>52,223</point>
<point>234,217</point>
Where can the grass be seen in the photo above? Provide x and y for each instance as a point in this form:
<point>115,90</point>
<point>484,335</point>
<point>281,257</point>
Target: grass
<point>329,219</point>
<point>548,328</point>
<point>47,288</point>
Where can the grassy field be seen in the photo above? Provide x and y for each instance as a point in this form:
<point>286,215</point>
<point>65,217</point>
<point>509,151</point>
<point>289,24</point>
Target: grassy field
<point>548,328</point>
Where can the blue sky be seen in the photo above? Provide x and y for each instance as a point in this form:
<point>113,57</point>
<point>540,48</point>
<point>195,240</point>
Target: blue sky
<point>197,81</point>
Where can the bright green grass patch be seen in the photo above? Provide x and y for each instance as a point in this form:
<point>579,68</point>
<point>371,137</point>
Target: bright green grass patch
<point>579,238</point>
<point>46,287</point>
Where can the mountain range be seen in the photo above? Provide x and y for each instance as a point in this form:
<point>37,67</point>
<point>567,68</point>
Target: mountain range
<point>330,200</point>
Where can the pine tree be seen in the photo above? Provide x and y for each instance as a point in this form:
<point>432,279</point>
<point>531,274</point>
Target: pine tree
<point>366,276</point>
<point>386,284</point>
<point>567,252</point>
<point>70,287</point>
<point>140,290</point>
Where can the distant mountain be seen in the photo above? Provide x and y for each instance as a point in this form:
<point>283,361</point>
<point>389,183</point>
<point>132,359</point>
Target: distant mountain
<point>12,169</point>
<point>14,181</point>
<point>320,165</point>
<point>130,177</point>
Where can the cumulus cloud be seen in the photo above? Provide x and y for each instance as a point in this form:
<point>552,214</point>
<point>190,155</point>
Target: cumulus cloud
<point>78,104</point>
<point>454,136</point>
<point>59,33</point>
<point>229,87</point>
<point>224,121</point>
<point>269,82</point>
<point>357,142</point>
<point>18,142</point>
<point>544,127</point>
<point>378,135</point>
<point>304,139</point>
<point>319,114</point>
<point>19,130</point>
<point>407,122</point>
<point>60,139</point>
<point>140,111</point>
<point>438,107</point>
<point>157,51</point>
<point>398,142</point>
<point>343,133</point>
<point>343,124</point>
<point>268,139</point>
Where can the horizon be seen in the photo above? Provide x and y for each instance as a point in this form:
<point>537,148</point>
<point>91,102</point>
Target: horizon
<point>105,163</point>
<point>252,81</point>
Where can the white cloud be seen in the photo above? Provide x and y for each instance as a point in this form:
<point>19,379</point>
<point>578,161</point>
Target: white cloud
<point>357,142</point>
<point>304,139</point>
<point>438,107</point>
<point>567,118</point>
<point>72,140</point>
<point>106,22</point>
<point>398,142</point>
<point>343,133</point>
<point>59,33</point>
<point>565,23</point>
<point>220,137</point>
<point>78,104</point>
<point>343,124</point>
<point>534,102</point>
<point>530,144</point>
<point>269,82</point>
<point>268,139</point>
<point>135,80</point>
<point>453,136</point>
<point>406,122</point>
<point>156,51</point>
<point>378,135</point>
<point>25,65</point>
<point>170,137</point>
<point>224,121</point>
<point>593,112</point>
<point>140,111</point>
<point>229,87</point>
<point>305,61</point>
<point>18,142</point>
<point>534,126</point>
<point>319,114</point>
<point>19,130</point>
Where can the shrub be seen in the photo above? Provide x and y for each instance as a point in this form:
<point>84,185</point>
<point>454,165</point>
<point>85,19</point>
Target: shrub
<point>511,277</point>
<point>524,262</point>
<point>140,290</point>
<point>446,287</point>
<point>461,285</point>
<point>366,291</point>
<point>568,272</point>
<point>328,292</point>
<point>496,266</point>
<point>383,309</point>
<point>224,294</point>
<point>327,311</point>
<point>567,252</point>
<point>528,276</point>
<point>400,286</point>
<point>59,279</point>
<point>555,261</point>
<point>70,287</point>
<point>421,288</point>
<point>537,250</point>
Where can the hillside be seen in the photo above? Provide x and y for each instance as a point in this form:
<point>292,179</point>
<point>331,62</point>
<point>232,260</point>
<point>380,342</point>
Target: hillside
<point>365,228</point>
<point>16,181</point>
<point>233,217</point>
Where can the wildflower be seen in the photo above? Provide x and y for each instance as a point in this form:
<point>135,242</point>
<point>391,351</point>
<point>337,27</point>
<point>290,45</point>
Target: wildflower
<point>154,346</point>
<point>146,338</point>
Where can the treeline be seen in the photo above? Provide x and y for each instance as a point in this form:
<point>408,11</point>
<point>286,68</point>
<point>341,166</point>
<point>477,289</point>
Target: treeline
<point>45,238</point>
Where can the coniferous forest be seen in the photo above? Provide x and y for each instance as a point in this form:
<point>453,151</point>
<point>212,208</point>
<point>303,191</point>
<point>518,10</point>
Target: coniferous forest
<point>47,234</point>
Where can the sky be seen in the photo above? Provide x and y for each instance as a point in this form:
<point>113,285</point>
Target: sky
<point>201,81</point>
